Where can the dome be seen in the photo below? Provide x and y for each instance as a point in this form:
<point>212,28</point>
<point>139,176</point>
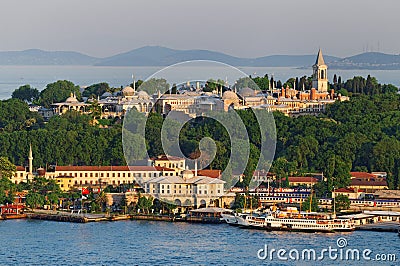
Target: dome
<point>71,99</point>
<point>229,95</point>
<point>187,174</point>
<point>246,92</point>
<point>143,95</point>
<point>128,91</point>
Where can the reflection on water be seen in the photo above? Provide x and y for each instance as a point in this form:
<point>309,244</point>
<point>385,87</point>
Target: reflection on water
<point>162,243</point>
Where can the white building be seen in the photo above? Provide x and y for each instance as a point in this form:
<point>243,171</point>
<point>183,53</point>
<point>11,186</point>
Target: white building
<point>187,190</point>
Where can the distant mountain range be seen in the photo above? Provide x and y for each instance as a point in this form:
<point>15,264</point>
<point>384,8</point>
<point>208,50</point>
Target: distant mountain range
<point>40,57</point>
<point>162,56</point>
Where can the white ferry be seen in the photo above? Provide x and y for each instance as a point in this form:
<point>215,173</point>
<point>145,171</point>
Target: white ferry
<point>233,218</point>
<point>230,218</point>
<point>292,220</point>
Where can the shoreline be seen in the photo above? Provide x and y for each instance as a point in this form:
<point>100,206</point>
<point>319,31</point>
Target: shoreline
<point>91,218</point>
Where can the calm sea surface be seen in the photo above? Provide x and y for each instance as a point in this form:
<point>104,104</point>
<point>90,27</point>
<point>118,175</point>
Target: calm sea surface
<point>11,77</point>
<point>33,242</point>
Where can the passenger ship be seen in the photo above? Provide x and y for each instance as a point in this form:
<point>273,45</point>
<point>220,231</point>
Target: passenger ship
<point>292,220</point>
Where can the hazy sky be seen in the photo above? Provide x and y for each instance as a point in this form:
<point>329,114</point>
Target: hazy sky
<point>240,28</point>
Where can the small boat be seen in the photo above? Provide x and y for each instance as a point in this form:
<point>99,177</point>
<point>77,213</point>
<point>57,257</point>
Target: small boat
<point>230,218</point>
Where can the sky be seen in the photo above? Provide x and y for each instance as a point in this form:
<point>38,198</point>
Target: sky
<point>248,28</point>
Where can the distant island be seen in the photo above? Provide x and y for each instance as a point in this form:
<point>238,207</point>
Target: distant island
<point>162,56</point>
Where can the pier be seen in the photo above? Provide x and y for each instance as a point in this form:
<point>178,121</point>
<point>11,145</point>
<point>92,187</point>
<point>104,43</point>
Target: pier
<point>379,227</point>
<point>74,217</point>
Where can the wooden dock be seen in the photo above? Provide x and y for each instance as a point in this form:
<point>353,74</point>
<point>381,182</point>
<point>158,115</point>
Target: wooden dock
<point>74,218</point>
<point>151,217</point>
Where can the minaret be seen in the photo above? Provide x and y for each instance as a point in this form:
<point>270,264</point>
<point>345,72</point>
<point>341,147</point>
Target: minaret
<point>195,167</point>
<point>134,84</point>
<point>320,74</point>
<point>30,159</point>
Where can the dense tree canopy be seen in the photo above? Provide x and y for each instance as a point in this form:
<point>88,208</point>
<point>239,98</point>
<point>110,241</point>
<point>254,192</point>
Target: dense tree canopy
<point>362,133</point>
<point>15,116</point>
<point>26,93</point>
<point>57,92</point>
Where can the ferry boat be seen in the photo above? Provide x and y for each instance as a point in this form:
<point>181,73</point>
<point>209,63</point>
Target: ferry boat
<point>233,218</point>
<point>292,220</point>
<point>230,218</point>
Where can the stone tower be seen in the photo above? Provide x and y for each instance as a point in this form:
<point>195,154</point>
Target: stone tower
<point>320,74</point>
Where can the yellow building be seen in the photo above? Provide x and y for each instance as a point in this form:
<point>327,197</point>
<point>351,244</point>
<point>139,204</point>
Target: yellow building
<point>65,182</point>
<point>177,164</point>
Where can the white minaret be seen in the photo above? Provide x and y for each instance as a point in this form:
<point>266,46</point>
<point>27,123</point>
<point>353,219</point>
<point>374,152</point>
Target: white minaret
<point>134,84</point>
<point>30,159</point>
<point>195,167</point>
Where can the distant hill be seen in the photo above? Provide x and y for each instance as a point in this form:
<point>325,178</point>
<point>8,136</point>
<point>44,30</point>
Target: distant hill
<point>40,57</point>
<point>370,60</point>
<point>162,56</point>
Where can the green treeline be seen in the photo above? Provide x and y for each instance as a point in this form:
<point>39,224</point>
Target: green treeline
<point>362,134</point>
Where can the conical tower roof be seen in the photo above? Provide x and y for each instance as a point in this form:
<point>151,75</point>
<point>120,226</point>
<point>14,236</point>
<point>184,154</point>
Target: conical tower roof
<point>320,58</point>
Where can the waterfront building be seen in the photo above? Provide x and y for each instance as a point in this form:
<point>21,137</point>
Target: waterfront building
<point>176,164</point>
<point>187,190</point>
<point>367,182</point>
<point>349,192</point>
<point>82,176</point>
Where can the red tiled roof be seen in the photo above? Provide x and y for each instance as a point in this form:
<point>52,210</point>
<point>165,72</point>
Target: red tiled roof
<point>209,173</point>
<point>302,179</point>
<point>20,168</point>
<point>106,168</point>
<point>360,182</point>
<point>167,158</point>
<point>361,175</point>
<point>346,190</point>
<point>162,168</point>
